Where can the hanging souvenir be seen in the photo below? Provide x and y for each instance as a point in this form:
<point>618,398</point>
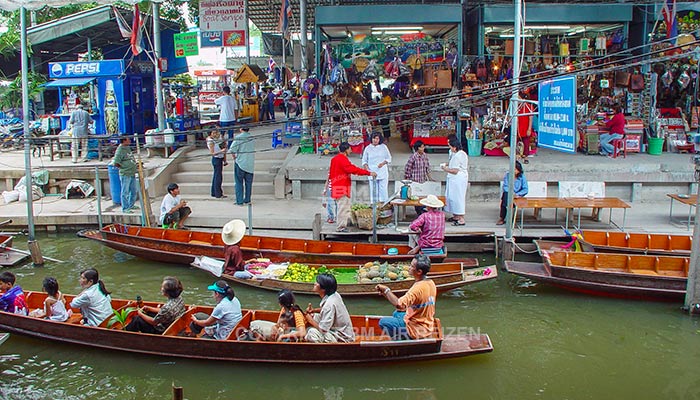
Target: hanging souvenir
<point>683,79</point>
<point>583,45</point>
<point>564,48</point>
<point>601,44</point>
<point>667,79</point>
<point>637,82</point>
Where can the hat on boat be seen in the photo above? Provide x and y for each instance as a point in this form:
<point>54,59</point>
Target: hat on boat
<point>233,232</point>
<point>432,201</point>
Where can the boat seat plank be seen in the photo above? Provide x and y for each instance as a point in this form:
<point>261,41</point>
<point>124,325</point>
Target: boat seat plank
<point>199,242</point>
<point>75,318</point>
<point>643,272</point>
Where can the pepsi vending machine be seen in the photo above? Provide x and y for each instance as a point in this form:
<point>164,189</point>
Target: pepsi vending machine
<point>123,100</point>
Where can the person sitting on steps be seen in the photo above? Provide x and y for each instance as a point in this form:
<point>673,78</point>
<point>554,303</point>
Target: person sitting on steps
<point>173,210</point>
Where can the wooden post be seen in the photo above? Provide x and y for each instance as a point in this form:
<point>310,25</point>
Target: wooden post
<point>35,252</point>
<point>316,226</point>
<point>692,290</point>
<point>178,393</point>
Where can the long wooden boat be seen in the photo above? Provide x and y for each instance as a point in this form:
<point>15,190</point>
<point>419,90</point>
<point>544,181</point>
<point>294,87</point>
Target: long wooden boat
<point>638,270</point>
<point>637,242</point>
<point>447,276</point>
<point>182,246</point>
<point>370,347</point>
<point>9,257</point>
<point>540,273</point>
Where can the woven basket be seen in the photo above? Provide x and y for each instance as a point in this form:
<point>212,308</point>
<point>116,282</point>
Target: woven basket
<point>364,219</point>
<point>384,214</point>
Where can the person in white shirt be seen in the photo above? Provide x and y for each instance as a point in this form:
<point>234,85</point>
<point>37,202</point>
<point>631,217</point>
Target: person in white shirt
<point>376,158</point>
<point>174,210</point>
<point>94,301</point>
<point>228,107</point>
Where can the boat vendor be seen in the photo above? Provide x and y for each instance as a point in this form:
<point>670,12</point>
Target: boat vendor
<point>94,301</point>
<point>339,179</point>
<point>173,210</point>
<point>414,317</point>
<point>430,226</point>
<point>331,323</point>
<point>225,316</point>
<point>231,235</point>
<point>157,319</point>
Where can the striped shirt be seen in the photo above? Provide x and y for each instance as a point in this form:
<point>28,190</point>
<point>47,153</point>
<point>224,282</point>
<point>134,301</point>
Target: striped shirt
<point>431,226</point>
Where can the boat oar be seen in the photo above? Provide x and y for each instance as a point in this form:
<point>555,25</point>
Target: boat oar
<point>5,222</point>
<point>28,253</point>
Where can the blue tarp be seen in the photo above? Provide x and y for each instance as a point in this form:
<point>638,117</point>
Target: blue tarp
<point>69,82</point>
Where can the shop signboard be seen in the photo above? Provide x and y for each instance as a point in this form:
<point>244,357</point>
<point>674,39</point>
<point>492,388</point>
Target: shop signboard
<point>557,114</point>
<point>82,69</point>
<point>186,44</point>
<point>222,23</point>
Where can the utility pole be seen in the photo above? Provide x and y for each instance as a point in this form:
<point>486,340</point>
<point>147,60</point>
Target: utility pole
<point>160,110</point>
<point>513,114</point>
<point>692,290</point>
<point>303,39</point>
<point>247,34</point>
<point>32,243</point>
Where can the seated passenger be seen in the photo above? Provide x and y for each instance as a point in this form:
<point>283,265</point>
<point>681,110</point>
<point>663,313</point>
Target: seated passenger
<point>290,326</point>
<point>225,316</point>
<point>430,226</point>
<point>94,301</point>
<point>331,323</point>
<point>414,317</point>
<point>231,234</point>
<point>54,304</point>
<point>157,319</point>
<point>12,297</point>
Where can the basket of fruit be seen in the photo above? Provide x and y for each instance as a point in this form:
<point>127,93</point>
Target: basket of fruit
<point>365,219</point>
<point>357,207</point>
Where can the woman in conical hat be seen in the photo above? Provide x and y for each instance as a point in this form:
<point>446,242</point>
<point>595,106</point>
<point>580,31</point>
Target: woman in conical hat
<point>231,235</point>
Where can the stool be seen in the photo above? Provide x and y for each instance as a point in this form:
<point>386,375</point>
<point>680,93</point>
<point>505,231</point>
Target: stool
<point>277,138</point>
<point>619,146</point>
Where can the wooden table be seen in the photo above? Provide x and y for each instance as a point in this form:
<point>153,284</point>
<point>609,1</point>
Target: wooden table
<point>103,144</point>
<point>400,204</point>
<point>689,200</point>
<point>600,202</point>
<point>541,202</point>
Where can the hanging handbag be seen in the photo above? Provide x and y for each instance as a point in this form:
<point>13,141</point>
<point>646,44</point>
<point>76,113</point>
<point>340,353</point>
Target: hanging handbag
<point>481,71</point>
<point>637,82</point>
<point>443,78</point>
<point>622,78</point>
<point>418,76</point>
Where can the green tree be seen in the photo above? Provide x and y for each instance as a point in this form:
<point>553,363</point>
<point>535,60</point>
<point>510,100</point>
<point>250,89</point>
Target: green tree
<point>11,96</point>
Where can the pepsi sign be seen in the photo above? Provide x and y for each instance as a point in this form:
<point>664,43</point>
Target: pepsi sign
<point>83,69</point>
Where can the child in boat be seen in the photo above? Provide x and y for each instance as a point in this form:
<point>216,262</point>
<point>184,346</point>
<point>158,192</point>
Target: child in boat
<point>12,296</point>
<point>54,304</point>
<point>291,323</point>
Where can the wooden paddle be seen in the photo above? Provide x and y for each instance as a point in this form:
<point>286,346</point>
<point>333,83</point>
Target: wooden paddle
<point>5,222</point>
<point>28,253</point>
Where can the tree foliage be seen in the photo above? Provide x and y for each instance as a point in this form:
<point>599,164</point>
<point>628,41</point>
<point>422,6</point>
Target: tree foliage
<point>11,96</point>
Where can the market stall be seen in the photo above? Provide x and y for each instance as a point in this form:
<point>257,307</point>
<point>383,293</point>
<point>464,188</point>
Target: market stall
<point>121,99</point>
<point>250,75</point>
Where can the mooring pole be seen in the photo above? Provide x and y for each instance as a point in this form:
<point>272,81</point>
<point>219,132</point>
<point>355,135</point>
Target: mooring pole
<point>692,290</point>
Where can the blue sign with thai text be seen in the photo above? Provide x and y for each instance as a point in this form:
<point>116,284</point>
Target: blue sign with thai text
<point>84,69</point>
<point>556,128</point>
<point>212,39</point>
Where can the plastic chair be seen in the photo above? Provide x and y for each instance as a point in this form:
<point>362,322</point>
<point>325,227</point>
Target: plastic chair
<point>619,147</point>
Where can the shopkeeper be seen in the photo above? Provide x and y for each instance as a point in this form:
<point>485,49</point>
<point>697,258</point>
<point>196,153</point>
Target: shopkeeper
<point>617,130</point>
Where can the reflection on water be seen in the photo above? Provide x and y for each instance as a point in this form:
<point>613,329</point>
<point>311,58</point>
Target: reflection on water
<point>549,344</point>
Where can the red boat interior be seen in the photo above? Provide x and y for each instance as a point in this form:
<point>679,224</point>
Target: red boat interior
<point>635,264</point>
<point>639,240</point>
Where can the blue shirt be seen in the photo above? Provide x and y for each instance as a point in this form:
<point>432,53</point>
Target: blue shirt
<point>519,186</point>
<point>227,314</point>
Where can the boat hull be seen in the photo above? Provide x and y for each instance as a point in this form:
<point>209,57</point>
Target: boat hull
<point>538,272</point>
<point>637,243</point>
<point>172,345</point>
<point>181,247</point>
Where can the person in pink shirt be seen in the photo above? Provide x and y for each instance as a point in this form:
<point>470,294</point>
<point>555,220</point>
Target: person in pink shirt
<point>617,130</point>
<point>430,226</point>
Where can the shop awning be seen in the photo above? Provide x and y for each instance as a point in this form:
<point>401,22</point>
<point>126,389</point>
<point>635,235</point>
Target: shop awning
<point>69,82</point>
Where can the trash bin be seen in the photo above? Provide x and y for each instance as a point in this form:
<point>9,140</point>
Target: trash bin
<point>115,185</point>
<point>474,147</point>
<point>656,145</point>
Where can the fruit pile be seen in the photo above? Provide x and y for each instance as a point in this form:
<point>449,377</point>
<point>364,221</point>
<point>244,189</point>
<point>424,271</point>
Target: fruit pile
<point>297,272</point>
<point>376,272</point>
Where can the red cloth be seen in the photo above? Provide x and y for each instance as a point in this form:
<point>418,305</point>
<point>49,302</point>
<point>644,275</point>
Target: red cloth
<point>617,124</point>
<point>233,259</point>
<point>339,175</point>
<point>524,121</point>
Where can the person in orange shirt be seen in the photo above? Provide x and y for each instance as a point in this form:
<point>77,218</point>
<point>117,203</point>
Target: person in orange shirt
<point>414,317</point>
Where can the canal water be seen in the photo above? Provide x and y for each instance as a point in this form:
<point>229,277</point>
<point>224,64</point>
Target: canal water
<point>549,344</point>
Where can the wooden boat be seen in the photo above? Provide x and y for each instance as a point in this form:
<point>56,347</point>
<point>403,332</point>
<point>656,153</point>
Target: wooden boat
<point>447,276</point>
<point>369,348</point>
<point>540,273</point>
<point>8,256</point>
<point>182,246</point>
<point>637,242</point>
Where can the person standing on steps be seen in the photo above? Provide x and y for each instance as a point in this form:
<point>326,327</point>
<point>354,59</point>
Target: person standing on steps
<point>124,160</point>
<point>80,121</point>
<point>218,162</point>
<point>520,189</point>
<point>243,152</point>
<point>339,179</point>
<point>376,158</point>
<point>228,114</point>
<point>456,181</point>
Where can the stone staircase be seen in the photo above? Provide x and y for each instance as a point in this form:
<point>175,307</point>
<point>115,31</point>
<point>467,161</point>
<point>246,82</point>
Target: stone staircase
<point>195,172</point>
